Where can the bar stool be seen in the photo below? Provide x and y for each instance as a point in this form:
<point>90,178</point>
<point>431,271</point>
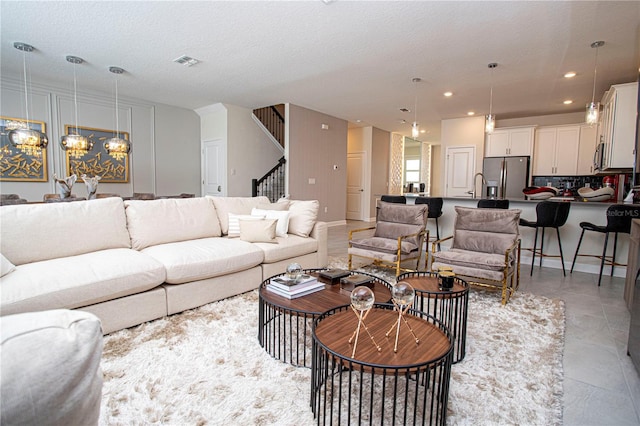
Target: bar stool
<point>549,214</point>
<point>486,203</point>
<point>434,209</point>
<point>618,222</point>
<point>400,199</point>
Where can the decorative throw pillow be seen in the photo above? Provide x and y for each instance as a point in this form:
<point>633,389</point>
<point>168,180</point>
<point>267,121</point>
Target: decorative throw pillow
<point>234,223</point>
<point>303,216</point>
<point>5,266</point>
<point>282,216</point>
<point>258,231</point>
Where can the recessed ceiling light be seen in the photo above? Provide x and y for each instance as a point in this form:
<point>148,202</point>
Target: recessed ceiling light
<point>423,131</point>
<point>186,60</point>
<point>471,113</point>
<point>568,102</point>
<point>448,94</point>
<point>570,74</point>
<point>358,121</point>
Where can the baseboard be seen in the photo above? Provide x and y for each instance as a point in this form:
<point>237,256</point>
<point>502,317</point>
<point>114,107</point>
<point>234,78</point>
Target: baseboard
<point>336,223</point>
<point>619,271</point>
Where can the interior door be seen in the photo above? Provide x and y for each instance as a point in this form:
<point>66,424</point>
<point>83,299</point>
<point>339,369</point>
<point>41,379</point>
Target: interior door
<point>355,186</point>
<point>460,168</point>
<point>214,167</point>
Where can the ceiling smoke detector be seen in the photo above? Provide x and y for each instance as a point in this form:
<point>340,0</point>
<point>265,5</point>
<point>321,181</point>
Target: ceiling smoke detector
<point>186,60</point>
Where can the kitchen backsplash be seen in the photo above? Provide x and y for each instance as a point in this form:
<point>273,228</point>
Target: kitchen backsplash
<point>574,182</point>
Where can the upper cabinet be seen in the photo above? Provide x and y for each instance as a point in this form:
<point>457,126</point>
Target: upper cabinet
<point>588,138</point>
<point>510,142</point>
<point>556,151</point>
<point>618,127</point>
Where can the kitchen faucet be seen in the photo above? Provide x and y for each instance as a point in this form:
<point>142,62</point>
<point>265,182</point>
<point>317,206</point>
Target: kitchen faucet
<point>475,178</point>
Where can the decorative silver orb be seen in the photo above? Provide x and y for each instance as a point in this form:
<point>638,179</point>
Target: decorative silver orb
<point>362,298</point>
<point>402,293</point>
<point>294,271</point>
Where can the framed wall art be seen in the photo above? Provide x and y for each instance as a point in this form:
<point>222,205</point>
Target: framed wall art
<point>16,165</point>
<point>98,162</point>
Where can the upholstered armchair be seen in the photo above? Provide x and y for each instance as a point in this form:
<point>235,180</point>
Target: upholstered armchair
<point>485,249</point>
<point>397,237</point>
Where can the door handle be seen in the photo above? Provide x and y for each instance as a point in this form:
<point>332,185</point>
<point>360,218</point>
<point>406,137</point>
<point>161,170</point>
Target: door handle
<point>362,190</point>
<point>219,188</point>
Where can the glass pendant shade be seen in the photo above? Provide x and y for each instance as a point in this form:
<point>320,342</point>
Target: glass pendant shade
<point>76,145</point>
<point>490,124</point>
<point>27,140</point>
<point>118,148</point>
<point>593,111</point>
<point>415,130</point>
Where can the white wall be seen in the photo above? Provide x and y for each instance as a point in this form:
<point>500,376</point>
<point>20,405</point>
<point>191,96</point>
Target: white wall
<point>176,169</point>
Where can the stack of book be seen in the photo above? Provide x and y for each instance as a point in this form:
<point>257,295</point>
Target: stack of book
<point>292,289</point>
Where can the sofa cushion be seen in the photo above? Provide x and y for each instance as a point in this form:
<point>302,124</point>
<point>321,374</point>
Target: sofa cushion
<point>50,368</point>
<point>194,260</point>
<point>470,259</point>
<point>280,205</point>
<point>288,248</point>
<point>472,273</point>
<point>152,222</point>
<point>77,281</point>
<point>282,216</point>
<point>237,205</point>
<point>5,266</point>
<point>303,216</point>
<point>35,232</point>
<point>258,231</point>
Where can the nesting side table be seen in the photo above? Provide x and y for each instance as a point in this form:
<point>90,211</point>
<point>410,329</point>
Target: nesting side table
<point>449,306</point>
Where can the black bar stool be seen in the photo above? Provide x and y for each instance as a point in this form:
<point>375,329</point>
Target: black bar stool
<point>487,203</point>
<point>399,199</point>
<point>549,214</point>
<point>618,222</point>
<point>434,210</point>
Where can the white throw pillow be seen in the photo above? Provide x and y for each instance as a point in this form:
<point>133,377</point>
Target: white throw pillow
<point>234,223</point>
<point>5,266</point>
<point>282,216</point>
<point>303,216</point>
<point>258,231</point>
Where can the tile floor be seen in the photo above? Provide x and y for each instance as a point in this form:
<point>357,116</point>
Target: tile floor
<point>601,385</point>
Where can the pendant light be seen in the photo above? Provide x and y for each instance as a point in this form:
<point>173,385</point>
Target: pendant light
<point>415,129</point>
<point>117,147</point>
<point>593,108</point>
<point>490,122</point>
<point>74,143</point>
<point>27,140</point>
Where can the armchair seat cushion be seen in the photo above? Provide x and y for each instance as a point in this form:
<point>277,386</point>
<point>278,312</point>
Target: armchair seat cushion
<point>374,254</point>
<point>467,272</point>
<point>386,245</point>
<point>471,259</point>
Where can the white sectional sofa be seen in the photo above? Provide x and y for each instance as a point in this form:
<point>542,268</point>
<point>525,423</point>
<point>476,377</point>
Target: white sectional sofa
<point>133,261</point>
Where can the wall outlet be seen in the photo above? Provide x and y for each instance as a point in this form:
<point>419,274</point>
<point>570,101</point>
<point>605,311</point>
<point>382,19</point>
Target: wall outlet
<point>312,181</point>
<point>325,209</point>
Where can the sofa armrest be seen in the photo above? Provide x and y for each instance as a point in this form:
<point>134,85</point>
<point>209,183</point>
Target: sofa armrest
<point>320,232</point>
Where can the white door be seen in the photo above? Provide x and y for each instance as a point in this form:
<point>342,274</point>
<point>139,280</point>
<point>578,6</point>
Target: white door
<point>214,167</point>
<point>460,168</point>
<point>355,185</point>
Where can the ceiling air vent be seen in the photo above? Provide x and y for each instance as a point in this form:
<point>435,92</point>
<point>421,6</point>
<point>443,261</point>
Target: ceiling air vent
<point>186,60</point>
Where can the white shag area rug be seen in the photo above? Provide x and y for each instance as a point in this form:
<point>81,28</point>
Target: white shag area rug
<point>205,367</point>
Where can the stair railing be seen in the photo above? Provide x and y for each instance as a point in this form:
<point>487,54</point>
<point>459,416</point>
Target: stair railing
<point>271,184</point>
<point>273,121</point>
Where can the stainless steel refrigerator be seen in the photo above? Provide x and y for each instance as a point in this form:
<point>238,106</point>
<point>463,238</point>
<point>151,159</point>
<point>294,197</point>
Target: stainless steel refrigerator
<point>509,174</point>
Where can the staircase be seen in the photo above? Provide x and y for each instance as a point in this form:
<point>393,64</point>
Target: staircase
<point>272,120</point>
<point>271,184</point>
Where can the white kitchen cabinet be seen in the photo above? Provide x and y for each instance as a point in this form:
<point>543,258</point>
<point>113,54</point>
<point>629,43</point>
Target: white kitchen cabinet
<point>618,126</point>
<point>586,149</point>
<point>556,151</point>
<point>510,142</point>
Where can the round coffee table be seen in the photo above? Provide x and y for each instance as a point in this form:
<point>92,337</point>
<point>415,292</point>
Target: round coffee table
<point>449,306</point>
<point>410,386</point>
<point>284,325</point>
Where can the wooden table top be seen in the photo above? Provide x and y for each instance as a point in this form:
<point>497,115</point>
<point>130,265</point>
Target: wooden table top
<point>334,331</point>
<point>323,300</point>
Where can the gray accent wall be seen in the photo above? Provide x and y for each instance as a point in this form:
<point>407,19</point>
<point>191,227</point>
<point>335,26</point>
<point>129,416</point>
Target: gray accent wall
<point>312,153</point>
<point>165,139</point>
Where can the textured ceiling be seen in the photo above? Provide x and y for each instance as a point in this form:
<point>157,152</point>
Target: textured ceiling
<point>353,60</point>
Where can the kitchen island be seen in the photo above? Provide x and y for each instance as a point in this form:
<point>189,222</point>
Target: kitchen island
<point>581,211</point>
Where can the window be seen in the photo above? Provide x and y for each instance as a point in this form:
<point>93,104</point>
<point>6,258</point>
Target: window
<point>412,170</point>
